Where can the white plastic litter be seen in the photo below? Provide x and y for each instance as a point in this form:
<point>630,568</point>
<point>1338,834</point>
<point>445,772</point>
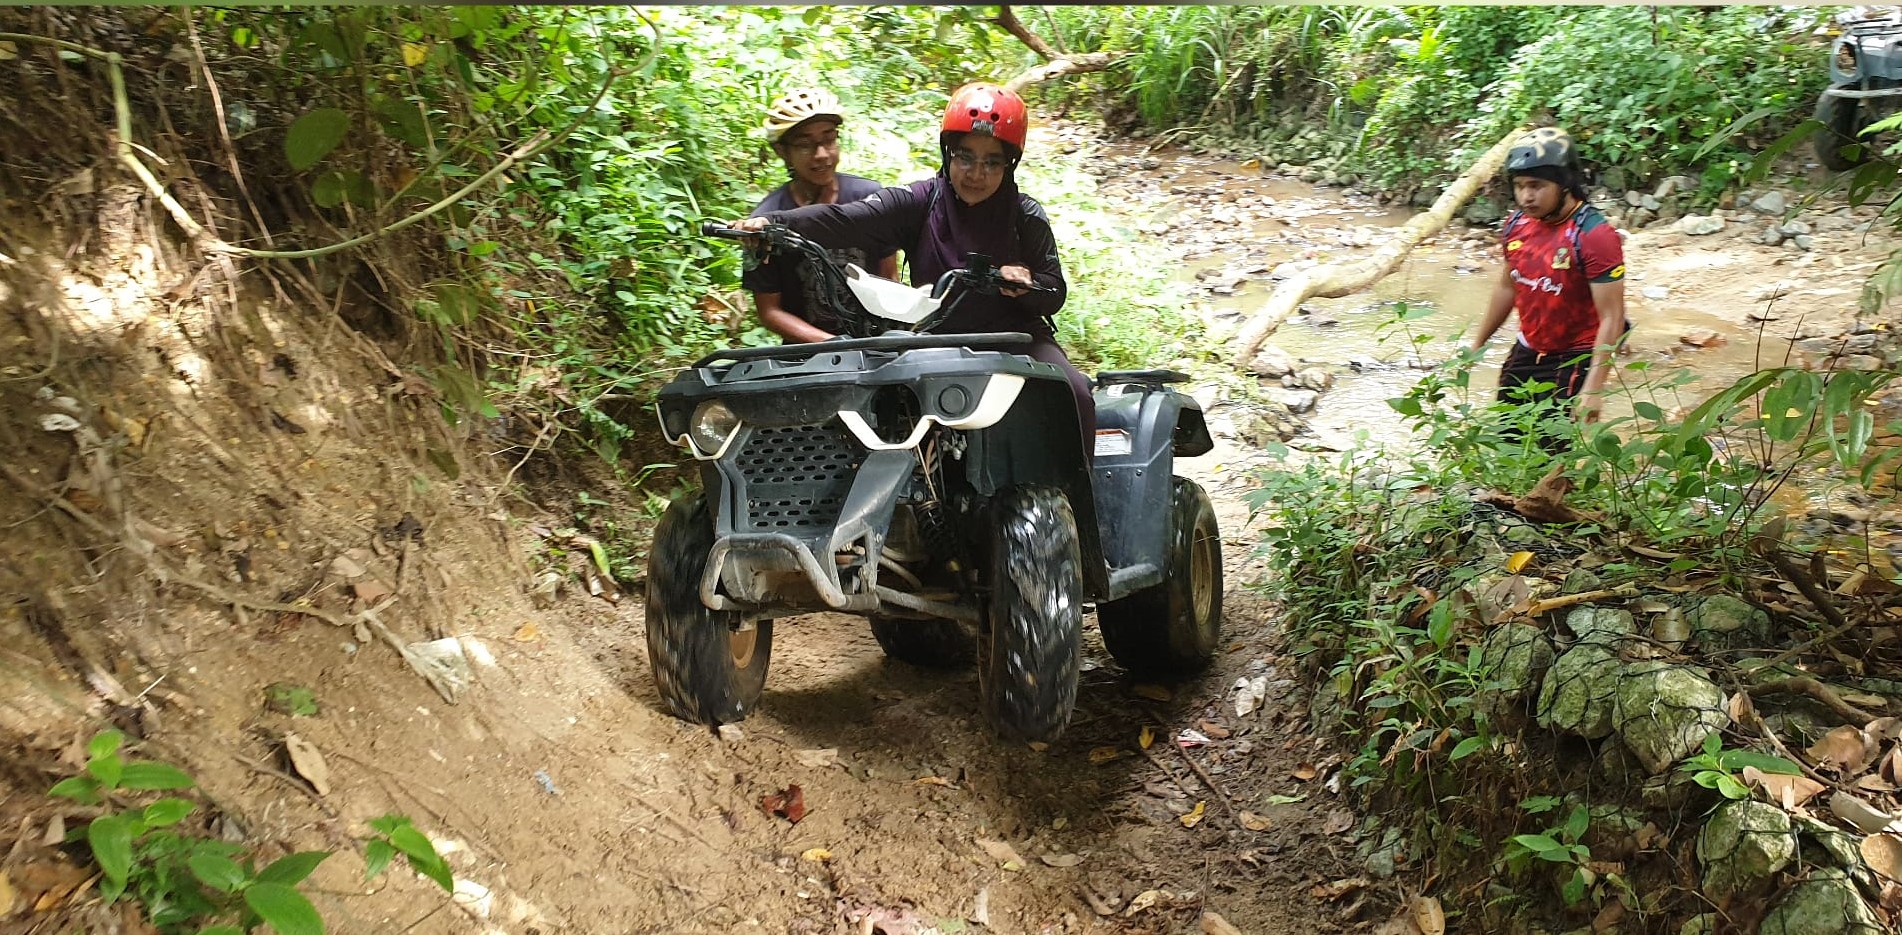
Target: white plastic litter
<point>1249,694</point>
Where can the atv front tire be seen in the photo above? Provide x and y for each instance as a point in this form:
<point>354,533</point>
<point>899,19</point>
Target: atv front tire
<point>1173,628</point>
<point>707,668</point>
<point>1032,649</point>
<point>1841,119</point>
<point>932,644</point>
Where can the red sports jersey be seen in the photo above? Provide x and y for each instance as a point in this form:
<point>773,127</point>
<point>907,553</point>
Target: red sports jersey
<point>1552,268</point>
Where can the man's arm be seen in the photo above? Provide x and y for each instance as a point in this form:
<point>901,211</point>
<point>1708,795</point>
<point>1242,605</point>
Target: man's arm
<point>887,267</point>
<point>784,323</point>
<point>1609,298</point>
<point>1497,308</point>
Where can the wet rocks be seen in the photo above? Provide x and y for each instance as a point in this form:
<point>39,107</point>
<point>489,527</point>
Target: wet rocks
<point>1317,379</point>
<point>1272,361</point>
<point>1514,657</point>
<point>1484,211</point>
<point>1600,624</point>
<point>1296,400</point>
<point>1720,622</point>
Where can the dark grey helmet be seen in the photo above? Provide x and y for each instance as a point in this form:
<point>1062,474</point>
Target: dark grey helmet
<point>1546,146</point>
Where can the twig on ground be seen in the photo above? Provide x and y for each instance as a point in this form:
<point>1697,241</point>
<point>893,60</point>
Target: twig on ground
<point>1583,597</point>
<point>1817,690</point>
<point>1221,795</point>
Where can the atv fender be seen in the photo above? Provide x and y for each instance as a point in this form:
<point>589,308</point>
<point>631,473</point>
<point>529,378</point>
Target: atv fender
<point>1142,430</point>
<point>1029,446</point>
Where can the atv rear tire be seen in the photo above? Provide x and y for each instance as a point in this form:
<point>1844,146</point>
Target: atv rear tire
<point>1033,644</point>
<point>707,669</point>
<point>1842,120</point>
<point>1173,628</point>
<point>932,644</point>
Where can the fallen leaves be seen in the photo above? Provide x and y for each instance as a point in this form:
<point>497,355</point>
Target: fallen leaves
<point>1001,851</point>
<point>1846,749</point>
<point>1254,822</point>
<point>1249,694</point>
<point>1304,772</point>
<point>308,762</point>
<point>1517,562</point>
<point>788,803</point>
<point>1061,860</point>
<point>1883,854</point>
<point>1153,692</point>
<point>1195,815</point>
<point>817,855</point>
<point>1102,755</point>
<point>817,759</point>
<point>1788,790</point>
<point>1212,924</point>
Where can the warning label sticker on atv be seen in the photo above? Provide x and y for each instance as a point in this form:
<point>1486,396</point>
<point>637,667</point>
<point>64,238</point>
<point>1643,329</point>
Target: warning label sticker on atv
<point>1112,442</point>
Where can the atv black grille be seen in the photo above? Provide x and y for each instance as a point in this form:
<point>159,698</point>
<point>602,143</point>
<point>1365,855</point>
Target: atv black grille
<point>797,477</point>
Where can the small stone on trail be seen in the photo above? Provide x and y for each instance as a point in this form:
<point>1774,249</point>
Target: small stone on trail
<point>1701,337</point>
<point>731,733</point>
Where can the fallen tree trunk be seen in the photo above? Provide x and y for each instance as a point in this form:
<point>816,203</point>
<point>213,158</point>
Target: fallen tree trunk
<point>1346,278</point>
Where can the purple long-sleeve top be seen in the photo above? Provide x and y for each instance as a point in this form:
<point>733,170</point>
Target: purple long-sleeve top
<point>927,221</point>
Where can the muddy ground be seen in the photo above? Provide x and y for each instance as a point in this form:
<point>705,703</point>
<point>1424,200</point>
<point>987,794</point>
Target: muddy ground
<point>257,451</point>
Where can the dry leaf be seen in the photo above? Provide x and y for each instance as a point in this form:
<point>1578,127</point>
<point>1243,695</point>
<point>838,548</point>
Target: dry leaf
<point>1143,900</point>
<point>1338,821</point>
<point>1214,730</point>
<point>1003,853</point>
<point>1788,791</point>
<point>528,633</point>
<point>370,590</point>
<point>6,896</point>
<point>1195,815</point>
<point>1892,766</point>
<point>1867,818</point>
<point>1254,822</point>
<point>1658,554</point>
<point>1153,692</point>
<point>1609,917</point>
<point>788,803</point>
<point>1741,709</point>
<point>1883,854</point>
<point>308,762</point>
<point>343,566</point>
<point>818,759</point>
<point>1148,737</point>
<point>1846,750</point>
<point>1870,782</point>
<point>933,781</point>
<point>1517,562</point>
<point>1428,917</point>
<point>1213,924</point>
<point>1061,860</point>
<point>1304,772</point>
<point>817,855</point>
<point>1101,755</point>
<point>1340,888</point>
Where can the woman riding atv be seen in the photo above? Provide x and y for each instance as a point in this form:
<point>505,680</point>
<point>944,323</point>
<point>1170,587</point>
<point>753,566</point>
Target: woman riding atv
<point>971,206</point>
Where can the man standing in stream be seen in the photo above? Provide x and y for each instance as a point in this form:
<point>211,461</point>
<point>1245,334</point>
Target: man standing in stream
<point>1564,273</point>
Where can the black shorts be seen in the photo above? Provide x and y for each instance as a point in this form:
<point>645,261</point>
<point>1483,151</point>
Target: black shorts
<point>1564,369</point>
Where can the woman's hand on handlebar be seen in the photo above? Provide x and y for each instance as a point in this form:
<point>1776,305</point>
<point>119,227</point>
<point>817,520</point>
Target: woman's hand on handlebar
<point>752,224</point>
<point>1014,274</point>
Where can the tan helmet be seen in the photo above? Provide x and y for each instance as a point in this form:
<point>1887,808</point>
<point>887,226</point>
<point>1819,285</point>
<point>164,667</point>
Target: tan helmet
<point>798,106</point>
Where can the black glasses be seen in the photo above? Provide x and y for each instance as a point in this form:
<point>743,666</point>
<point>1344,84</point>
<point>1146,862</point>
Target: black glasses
<point>808,147</point>
<point>968,161</point>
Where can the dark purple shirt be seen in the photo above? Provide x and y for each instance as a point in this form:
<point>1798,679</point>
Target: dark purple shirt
<point>927,221</point>
<point>788,278</point>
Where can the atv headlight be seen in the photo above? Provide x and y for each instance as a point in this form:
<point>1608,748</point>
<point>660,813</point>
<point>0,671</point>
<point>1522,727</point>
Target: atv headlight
<point>712,427</point>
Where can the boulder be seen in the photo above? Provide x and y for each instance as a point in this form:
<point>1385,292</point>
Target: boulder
<point>1600,624</point>
<point>1663,712</point>
<point>1272,361</point>
<point>1484,210</point>
<point>1793,228</point>
<point>1721,622</point>
<point>1771,203</point>
<point>1513,658</point>
<point>1771,236</point>
<point>1297,401</point>
<point>1742,846</point>
<point>1580,692</point>
<point>1317,379</point>
<point>1825,904</point>
<point>1581,579</point>
<point>1698,225</point>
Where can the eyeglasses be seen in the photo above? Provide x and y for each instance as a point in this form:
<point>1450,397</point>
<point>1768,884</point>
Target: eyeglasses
<point>808,147</point>
<point>968,161</point>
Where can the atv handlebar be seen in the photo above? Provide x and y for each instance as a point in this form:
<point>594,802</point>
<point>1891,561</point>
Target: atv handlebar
<point>979,276</point>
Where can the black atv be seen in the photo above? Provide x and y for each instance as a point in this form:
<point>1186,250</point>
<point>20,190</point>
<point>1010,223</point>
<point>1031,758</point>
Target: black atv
<point>1865,85</point>
<point>936,485</point>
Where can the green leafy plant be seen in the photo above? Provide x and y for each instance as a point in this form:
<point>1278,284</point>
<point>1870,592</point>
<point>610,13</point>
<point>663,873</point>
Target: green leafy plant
<point>1718,767</point>
<point>1558,844</point>
<point>193,883</point>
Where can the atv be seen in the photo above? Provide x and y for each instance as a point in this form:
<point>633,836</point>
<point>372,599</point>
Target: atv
<point>934,484</point>
<point>1865,85</point>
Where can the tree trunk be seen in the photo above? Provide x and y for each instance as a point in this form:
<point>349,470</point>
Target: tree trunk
<point>1348,277</point>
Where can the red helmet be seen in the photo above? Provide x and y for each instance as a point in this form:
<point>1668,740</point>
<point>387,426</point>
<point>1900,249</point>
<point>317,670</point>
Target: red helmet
<point>988,109</point>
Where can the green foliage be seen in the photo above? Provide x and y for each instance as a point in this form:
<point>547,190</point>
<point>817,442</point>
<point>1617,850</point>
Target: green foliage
<point>1407,95</point>
<point>188,882</point>
<point>1718,768</point>
<point>1560,845</point>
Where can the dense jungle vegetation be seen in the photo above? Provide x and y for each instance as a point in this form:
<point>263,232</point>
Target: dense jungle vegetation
<point>576,270</point>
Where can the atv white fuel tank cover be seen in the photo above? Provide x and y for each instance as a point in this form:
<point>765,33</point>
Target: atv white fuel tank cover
<point>890,300</point>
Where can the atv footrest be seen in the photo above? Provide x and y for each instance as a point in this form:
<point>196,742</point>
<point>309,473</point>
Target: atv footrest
<point>1149,377</point>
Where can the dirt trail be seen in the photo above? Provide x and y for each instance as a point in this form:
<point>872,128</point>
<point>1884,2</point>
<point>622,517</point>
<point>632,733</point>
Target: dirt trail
<point>568,802</point>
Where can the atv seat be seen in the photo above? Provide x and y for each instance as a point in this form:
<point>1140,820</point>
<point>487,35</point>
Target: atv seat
<point>1149,377</point>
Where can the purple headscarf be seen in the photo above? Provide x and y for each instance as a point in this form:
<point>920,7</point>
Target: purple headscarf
<point>953,228</point>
